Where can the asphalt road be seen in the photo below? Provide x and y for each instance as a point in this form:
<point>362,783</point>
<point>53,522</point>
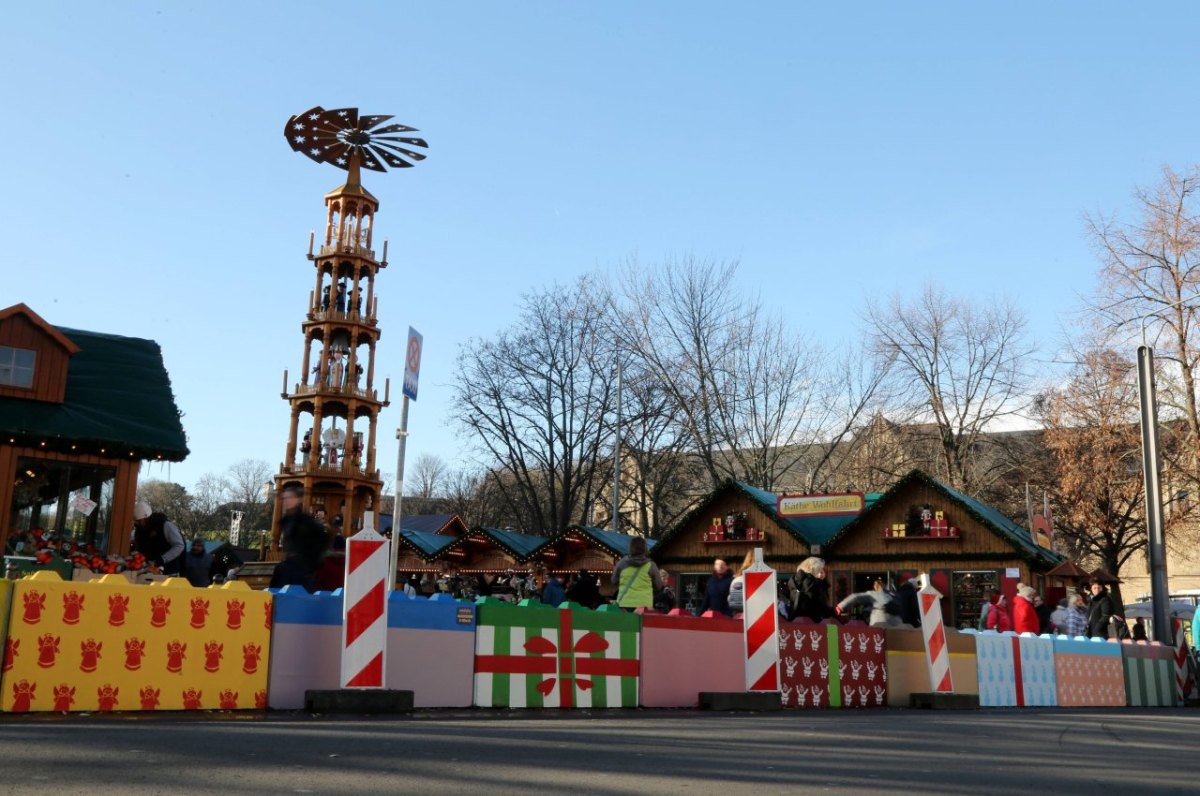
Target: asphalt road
<point>875,752</point>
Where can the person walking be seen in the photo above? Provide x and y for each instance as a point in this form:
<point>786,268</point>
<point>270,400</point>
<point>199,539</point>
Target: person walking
<point>157,538</point>
<point>636,577</point>
<point>198,565</point>
<point>584,589</point>
<point>1100,611</point>
<point>885,610</point>
<point>303,540</point>
<point>997,616</point>
<point>716,591</point>
<point>1139,629</point>
<point>1025,618</point>
<point>808,592</point>
<point>1075,617</point>
<point>910,606</point>
<point>737,588</point>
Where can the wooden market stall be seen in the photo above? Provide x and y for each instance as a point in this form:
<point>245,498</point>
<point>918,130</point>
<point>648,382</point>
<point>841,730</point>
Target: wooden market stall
<point>921,525</point>
<point>687,551</point>
<point>79,412</point>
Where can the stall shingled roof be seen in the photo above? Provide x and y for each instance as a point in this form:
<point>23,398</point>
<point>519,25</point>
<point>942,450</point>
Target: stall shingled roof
<point>612,542</point>
<point>987,516</point>
<point>118,397</point>
<point>521,546</point>
<point>808,530</point>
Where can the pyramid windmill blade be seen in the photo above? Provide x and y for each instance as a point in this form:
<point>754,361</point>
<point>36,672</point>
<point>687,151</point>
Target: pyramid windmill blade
<point>334,136</point>
<point>347,117</point>
<point>394,150</point>
<point>367,122</point>
<point>394,128</point>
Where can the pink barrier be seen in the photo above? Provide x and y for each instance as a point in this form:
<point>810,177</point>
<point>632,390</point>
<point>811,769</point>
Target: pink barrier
<point>683,655</point>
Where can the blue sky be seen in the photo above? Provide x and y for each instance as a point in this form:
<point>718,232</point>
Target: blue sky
<point>838,151</point>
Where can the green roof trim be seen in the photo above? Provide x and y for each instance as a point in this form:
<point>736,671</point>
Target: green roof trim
<point>987,516</point>
<point>118,397</point>
<point>613,542</point>
<point>426,545</point>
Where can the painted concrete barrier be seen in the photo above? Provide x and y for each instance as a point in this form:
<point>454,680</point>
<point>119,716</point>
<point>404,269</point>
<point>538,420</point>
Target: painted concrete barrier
<point>833,666</point>
<point>1149,674</point>
<point>109,645</point>
<point>306,647</point>
<point>532,655</point>
<point>431,649</point>
<point>908,674</point>
<point>1088,672</point>
<point>1015,671</point>
<point>683,655</point>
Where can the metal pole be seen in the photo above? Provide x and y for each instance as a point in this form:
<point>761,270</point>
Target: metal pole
<point>1159,593</point>
<point>402,435</point>
<point>616,490</point>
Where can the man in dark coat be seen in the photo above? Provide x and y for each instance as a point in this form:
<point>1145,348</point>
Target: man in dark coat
<point>1100,612</point>
<point>910,606</point>
<point>303,540</point>
<point>808,593</point>
<point>716,592</point>
<point>157,538</point>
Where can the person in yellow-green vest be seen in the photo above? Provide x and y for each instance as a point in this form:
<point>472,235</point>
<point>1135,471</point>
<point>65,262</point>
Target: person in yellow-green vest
<point>636,577</point>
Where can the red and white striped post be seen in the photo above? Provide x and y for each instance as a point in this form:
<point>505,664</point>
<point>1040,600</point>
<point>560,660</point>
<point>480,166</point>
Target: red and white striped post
<point>937,652</point>
<point>760,626</point>
<point>1183,673</point>
<point>364,608</point>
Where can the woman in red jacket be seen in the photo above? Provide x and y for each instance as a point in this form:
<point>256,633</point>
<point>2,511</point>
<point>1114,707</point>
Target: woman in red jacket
<point>997,616</point>
<point>1025,618</point>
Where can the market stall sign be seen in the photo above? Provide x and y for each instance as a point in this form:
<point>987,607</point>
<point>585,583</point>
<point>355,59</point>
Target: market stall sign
<point>830,505</point>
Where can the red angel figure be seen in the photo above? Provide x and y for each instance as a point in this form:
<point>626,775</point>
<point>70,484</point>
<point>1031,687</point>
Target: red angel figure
<point>149,697</point>
<point>89,654</point>
<point>234,611</point>
<point>35,603</point>
<point>23,694</point>
<point>135,650</point>
<point>213,652</point>
<point>160,607</point>
<point>64,697</point>
<point>176,652</point>
<point>260,699</point>
<point>118,606</point>
<point>47,650</point>
<point>72,606</point>
<point>191,699</point>
<point>251,653</point>
<point>228,699</point>
<point>199,612</point>
<point>108,696</point>
<point>12,648</point>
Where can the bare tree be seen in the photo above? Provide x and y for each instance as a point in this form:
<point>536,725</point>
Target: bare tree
<point>247,487</point>
<point>1093,436</point>
<point>429,475</point>
<point>537,402</point>
<point>1151,267</point>
<point>963,366</point>
<point>751,399</point>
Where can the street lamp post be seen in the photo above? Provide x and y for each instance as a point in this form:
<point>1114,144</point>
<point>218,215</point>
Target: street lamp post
<point>1160,593</point>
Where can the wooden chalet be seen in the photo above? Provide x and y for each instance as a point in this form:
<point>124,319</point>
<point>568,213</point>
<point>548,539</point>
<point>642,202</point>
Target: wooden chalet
<point>687,551</point>
<point>584,547</point>
<point>423,538</point>
<point>79,412</point>
<point>489,550</point>
<point>921,525</point>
